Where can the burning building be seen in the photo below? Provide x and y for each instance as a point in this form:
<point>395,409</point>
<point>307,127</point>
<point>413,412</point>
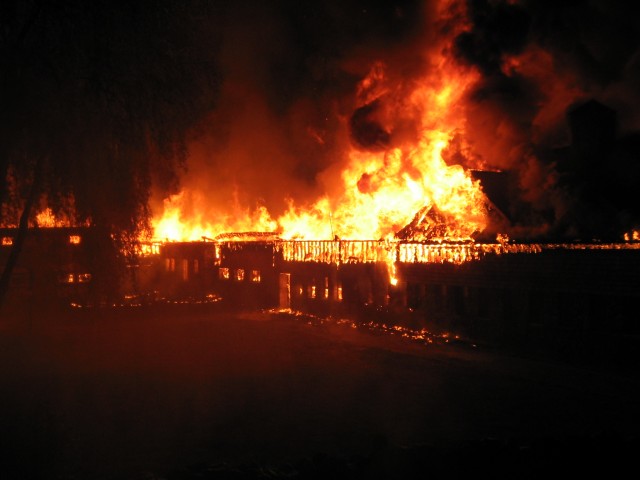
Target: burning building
<point>393,160</point>
<point>398,183</point>
<point>575,297</point>
<point>58,264</point>
<point>461,125</point>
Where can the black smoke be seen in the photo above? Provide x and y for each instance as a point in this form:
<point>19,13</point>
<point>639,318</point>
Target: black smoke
<point>591,158</point>
<point>366,131</point>
<point>498,29</point>
<point>290,71</point>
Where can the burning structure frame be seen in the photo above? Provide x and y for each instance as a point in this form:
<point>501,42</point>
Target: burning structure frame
<point>554,293</point>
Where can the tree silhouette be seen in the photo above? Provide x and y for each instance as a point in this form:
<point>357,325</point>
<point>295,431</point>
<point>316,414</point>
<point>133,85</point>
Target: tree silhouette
<point>96,102</point>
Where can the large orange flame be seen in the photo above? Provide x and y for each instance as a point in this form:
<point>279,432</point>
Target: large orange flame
<point>405,184</point>
<point>175,225</point>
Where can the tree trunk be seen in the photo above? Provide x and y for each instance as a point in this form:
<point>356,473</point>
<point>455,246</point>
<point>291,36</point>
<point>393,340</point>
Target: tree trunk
<point>21,235</point>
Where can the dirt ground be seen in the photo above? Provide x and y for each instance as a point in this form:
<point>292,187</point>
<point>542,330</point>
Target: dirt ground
<point>181,392</point>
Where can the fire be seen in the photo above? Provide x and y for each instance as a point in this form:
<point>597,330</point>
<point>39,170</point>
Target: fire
<point>176,225</point>
<point>397,185</point>
<point>383,190</point>
<point>632,236</point>
<point>46,218</point>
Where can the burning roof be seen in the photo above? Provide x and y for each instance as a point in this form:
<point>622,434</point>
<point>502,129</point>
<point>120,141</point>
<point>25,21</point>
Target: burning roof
<point>247,237</point>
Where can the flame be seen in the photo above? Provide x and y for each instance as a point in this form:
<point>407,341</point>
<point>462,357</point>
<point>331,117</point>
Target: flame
<point>46,218</point>
<point>403,186</point>
<point>175,225</point>
<point>383,191</point>
<point>632,236</point>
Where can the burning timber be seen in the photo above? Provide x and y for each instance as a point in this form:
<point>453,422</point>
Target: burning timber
<point>464,286</point>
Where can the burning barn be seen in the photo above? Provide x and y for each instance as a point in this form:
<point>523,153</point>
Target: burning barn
<point>396,172</point>
<point>541,293</point>
<point>175,270</point>
<point>247,269</point>
<point>239,267</point>
<point>396,182</point>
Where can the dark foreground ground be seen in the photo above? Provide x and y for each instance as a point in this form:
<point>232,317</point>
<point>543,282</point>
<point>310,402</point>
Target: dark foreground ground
<point>185,393</point>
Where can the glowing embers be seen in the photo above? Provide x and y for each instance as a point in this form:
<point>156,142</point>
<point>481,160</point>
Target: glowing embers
<point>185,269</point>
<point>632,236</point>
<point>318,289</point>
<point>7,241</point>
<point>72,278</point>
<point>239,275</point>
<point>170,264</point>
<point>422,336</point>
<point>149,248</point>
<point>75,239</point>
<point>255,276</point>
<point>67,278</point>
